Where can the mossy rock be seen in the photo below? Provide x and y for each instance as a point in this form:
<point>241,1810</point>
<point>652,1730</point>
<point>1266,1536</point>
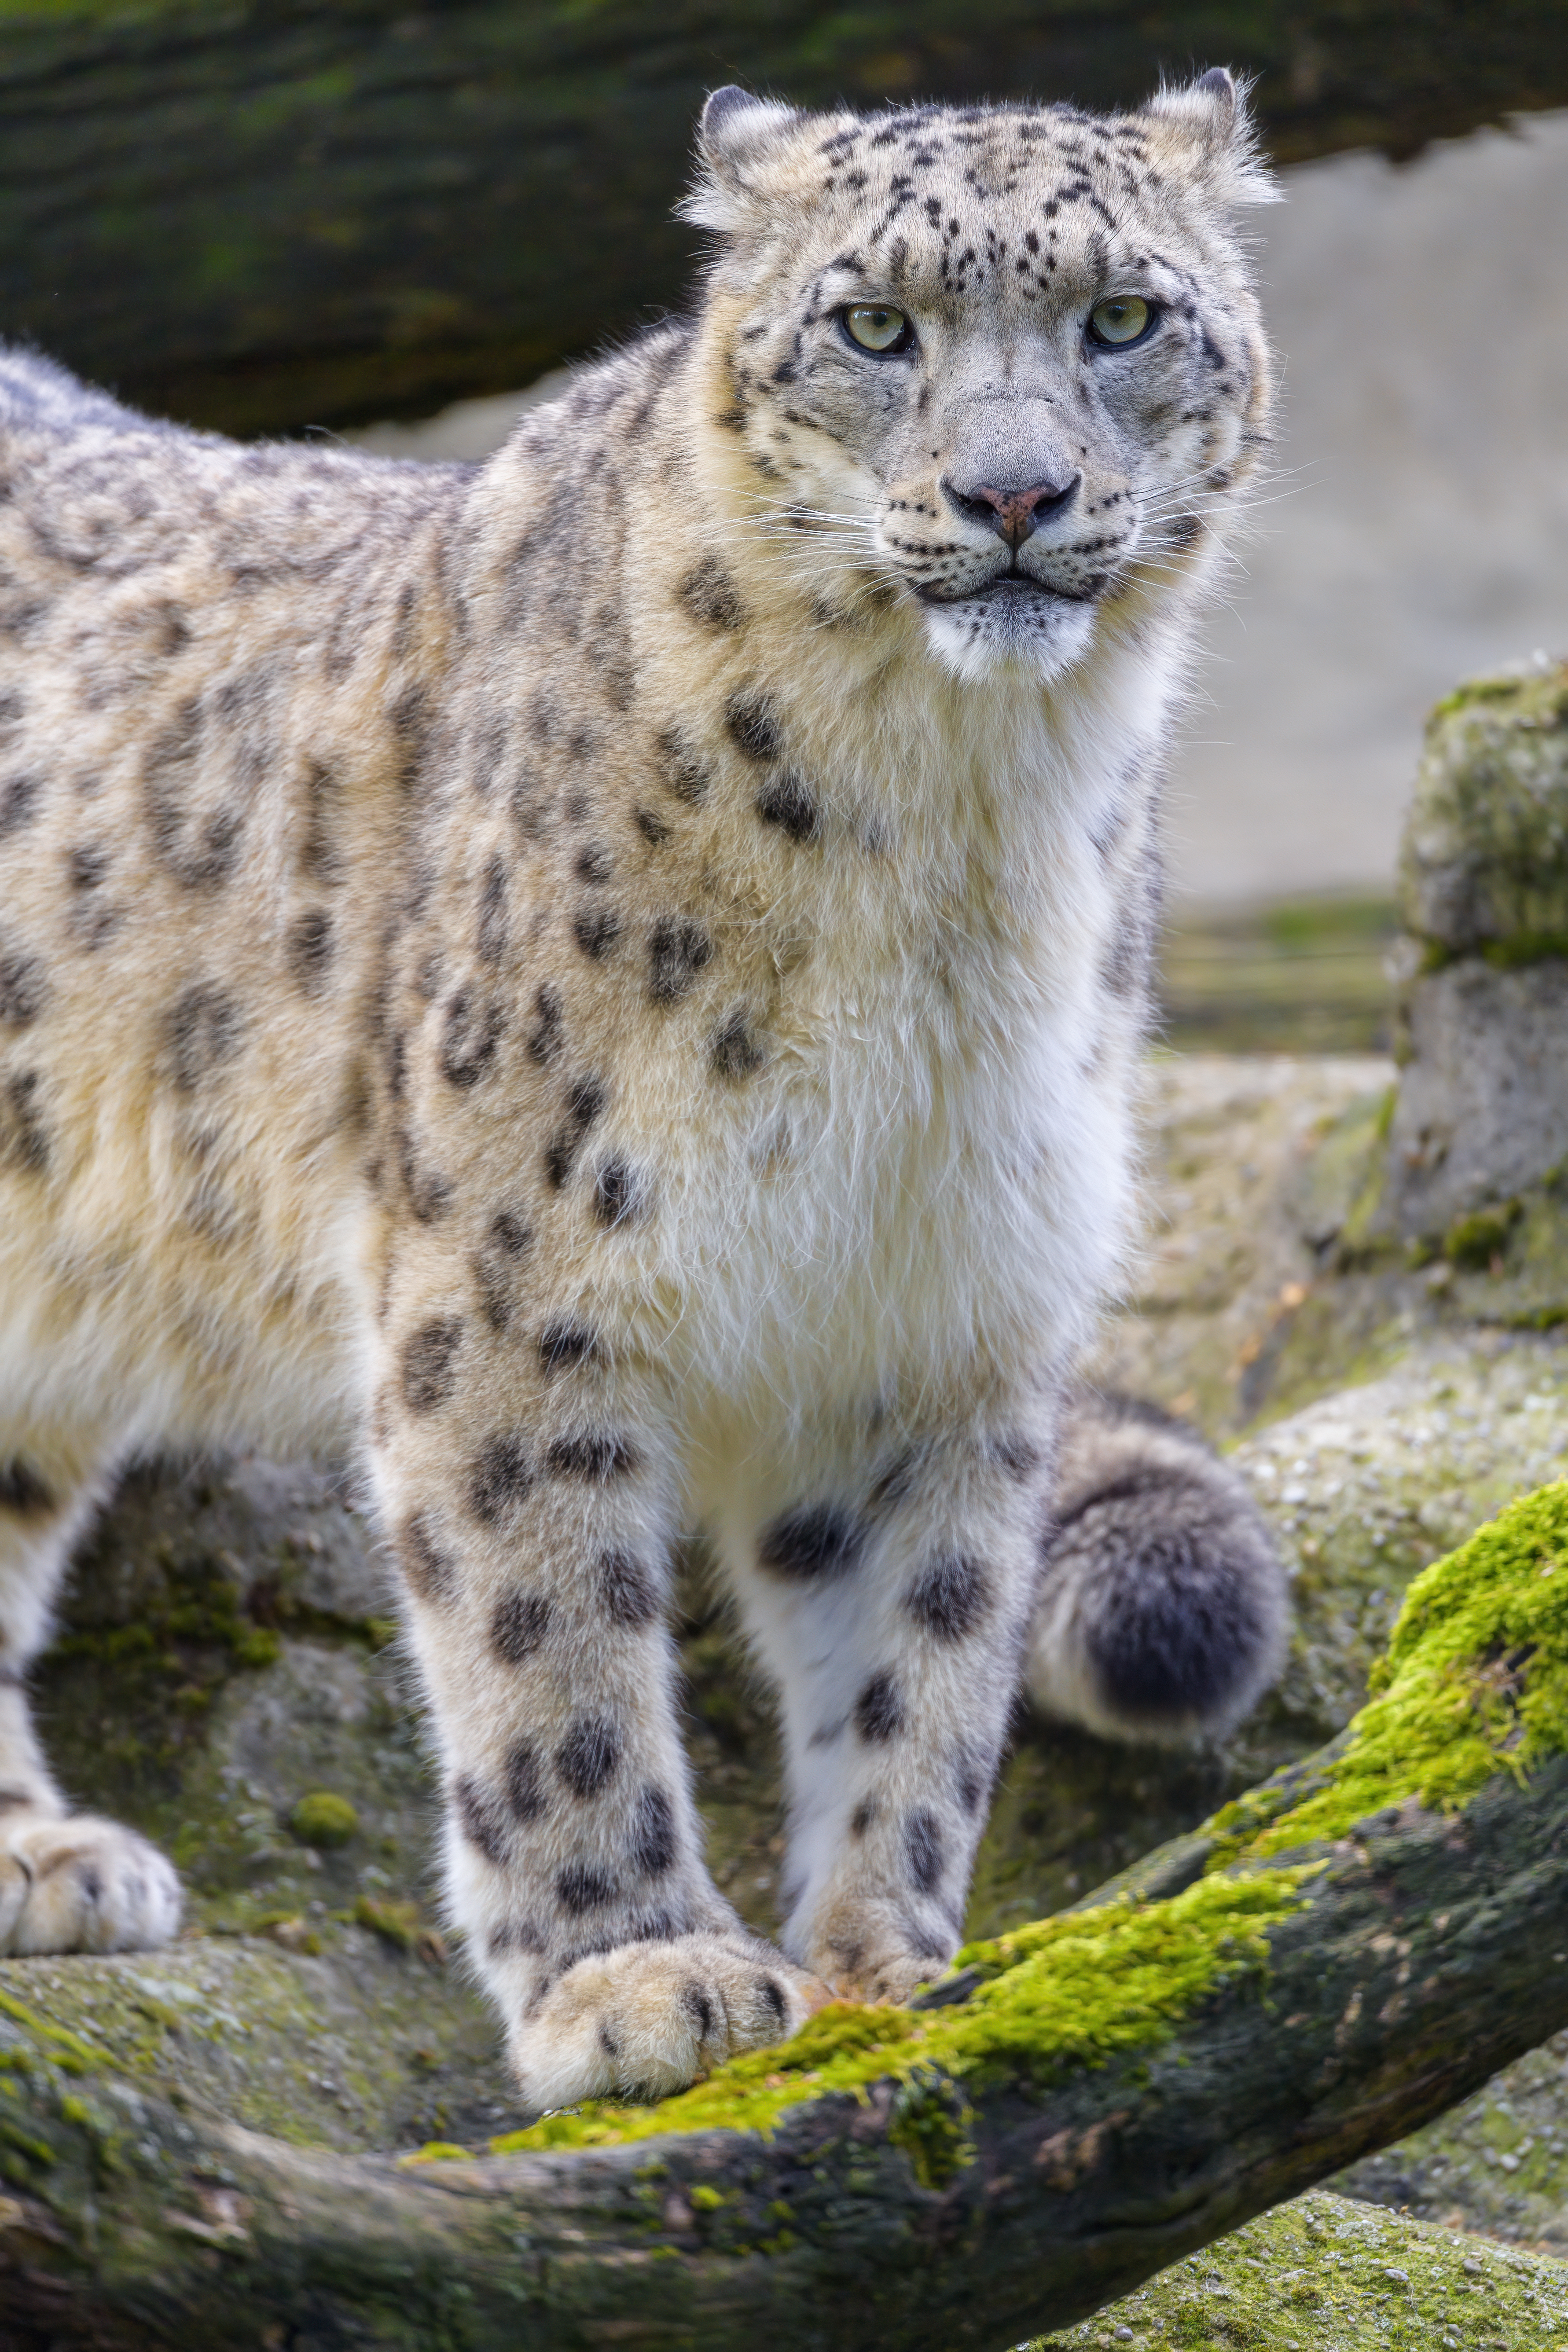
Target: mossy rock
<point>1322,2272</point>
<point>1497,2163</point>
<point>227,1651</point>
<point>350,2045</point>
<point>1482,1112</point>
<point>322,1818</point>
<point>1484,863</point>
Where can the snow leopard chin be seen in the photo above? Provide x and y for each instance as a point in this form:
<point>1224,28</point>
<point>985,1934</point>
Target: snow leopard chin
<point>980,637</point>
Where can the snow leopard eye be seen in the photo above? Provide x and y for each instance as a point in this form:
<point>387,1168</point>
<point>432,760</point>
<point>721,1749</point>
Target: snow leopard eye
<point>878,327</point>
<point>1120,320</point>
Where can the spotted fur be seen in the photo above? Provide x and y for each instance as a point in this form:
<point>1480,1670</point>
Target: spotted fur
<point>611,980</point>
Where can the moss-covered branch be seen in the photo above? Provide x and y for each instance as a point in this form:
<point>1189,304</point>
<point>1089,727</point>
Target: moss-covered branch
<point>1329,1962</point>
<point>268,216</point>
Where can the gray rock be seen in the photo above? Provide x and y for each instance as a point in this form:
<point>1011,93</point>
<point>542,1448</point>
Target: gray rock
<point>1367,1487</point>
<point>1482,1110</point>
<point>1482,1113</point>
<point>1253,1164</point>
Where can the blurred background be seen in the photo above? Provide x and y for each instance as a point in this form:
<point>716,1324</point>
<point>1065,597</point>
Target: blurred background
<point>398,224</point>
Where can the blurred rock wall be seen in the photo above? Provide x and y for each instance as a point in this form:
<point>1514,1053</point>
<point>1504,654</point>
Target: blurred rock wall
<point>1416,528</point>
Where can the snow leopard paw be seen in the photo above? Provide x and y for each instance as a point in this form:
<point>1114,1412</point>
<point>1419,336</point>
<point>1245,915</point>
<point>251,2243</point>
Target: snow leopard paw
<point>646,2020</point>
<point>71,1883</point>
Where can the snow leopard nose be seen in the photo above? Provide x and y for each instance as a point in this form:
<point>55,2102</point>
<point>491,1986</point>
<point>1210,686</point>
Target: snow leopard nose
<point>1015,515</point>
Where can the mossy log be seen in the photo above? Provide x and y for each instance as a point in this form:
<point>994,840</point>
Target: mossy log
<point>263,216</point>
<point>1425,1961</point>
<point>1329,1962</point>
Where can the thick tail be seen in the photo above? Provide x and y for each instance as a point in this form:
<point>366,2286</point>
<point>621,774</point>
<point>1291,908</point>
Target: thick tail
<point>1164,1605</point>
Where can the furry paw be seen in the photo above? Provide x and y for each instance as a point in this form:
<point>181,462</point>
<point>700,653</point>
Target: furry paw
<point>73,1884</point>
<point>647,2019</point>
<point>867,1951</point>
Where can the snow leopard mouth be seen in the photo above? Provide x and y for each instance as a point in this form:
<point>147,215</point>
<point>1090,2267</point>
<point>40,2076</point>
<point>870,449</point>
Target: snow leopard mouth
<point>1006,588</point>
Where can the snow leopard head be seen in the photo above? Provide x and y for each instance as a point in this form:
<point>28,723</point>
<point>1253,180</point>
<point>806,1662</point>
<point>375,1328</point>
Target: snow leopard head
<point>1004,362</point>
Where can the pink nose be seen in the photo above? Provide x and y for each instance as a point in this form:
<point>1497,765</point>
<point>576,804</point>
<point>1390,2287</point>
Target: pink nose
<point>1016,515</point>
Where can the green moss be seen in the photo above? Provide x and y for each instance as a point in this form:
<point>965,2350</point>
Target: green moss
<point>166,1668</point>
<point>1525,947</point>
<point>187,1631</point>
<point>396,1923</point>
<point>358,2050</point>
<point>1345,1160</point>
<point>1065,1993</point>
<point>1513,953</point>
<point>1472,1242</point>
<point>60,2043</point>
<point>1474,1682</point>
<point>1484,865</point>
<point>325,1820</point>
<point>1475,693</point>
<point>931,2122</point>
<point>1353,1156</point>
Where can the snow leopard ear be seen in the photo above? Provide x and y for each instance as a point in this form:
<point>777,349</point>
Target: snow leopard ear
<point>735,133</point>
<point>1211,122</point>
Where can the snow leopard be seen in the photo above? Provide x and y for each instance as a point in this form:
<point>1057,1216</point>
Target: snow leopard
<point>608,984</point>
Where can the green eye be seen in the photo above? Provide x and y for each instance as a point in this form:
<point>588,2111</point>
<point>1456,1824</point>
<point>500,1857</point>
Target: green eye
<point>878,327</point>
<point>1123,319</point>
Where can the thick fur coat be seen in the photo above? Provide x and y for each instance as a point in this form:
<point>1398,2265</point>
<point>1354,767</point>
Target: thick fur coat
<point>612,979</point>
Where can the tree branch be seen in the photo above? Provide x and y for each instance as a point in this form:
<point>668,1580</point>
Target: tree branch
<point>262,217</point>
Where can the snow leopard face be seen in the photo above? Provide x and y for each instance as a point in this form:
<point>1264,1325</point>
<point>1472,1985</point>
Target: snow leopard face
<point>1005,363</point>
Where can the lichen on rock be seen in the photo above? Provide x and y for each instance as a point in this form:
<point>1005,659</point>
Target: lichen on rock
<point>1482,1110</point>
<point>1323,2272</point>
<point>1484,861</point>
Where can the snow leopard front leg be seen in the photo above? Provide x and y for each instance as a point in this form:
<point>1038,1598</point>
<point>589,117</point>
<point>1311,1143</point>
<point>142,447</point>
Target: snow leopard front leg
<point>889,1589</point>
<point>527,1479</point>
<point>68,1881</point>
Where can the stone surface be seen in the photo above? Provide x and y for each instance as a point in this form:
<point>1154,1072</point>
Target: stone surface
<point>1482,1110</point>
<point>1226,1253</point>
<point>1499,2163</point>
<point>1481,1113</point>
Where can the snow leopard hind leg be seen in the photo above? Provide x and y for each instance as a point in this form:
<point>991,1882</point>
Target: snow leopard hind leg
<point>1163,1606</point>
<point>888,1587</point>
<point>68,1881</point>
